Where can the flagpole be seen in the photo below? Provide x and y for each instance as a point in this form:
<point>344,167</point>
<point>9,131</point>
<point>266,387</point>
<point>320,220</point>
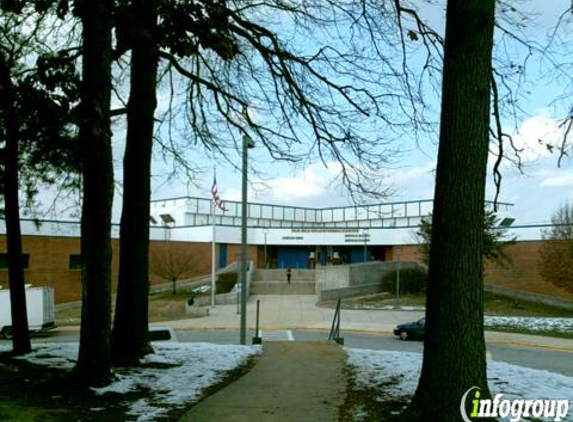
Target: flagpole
<point>213,253</point>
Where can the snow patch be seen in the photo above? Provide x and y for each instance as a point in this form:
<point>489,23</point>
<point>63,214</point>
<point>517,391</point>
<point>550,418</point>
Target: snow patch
<point>54,355</point>
<point>176,375</point>
<point>539,324</point>
<point>202,289</point>
<point>399,372</point>
<point>193,368</point>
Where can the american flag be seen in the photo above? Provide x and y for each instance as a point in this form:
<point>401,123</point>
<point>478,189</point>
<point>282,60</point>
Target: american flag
<point>216,198</point>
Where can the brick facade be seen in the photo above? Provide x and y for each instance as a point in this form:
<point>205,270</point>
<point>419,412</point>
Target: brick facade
<point>49,265</point>
<point>50,259</point>
<point>50,262</point>
<point>521,273</point>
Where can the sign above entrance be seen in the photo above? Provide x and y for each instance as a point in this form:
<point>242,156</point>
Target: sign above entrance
<point>357,238</point>
<point>325,230</point>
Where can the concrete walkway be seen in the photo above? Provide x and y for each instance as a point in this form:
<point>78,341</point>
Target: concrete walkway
<point>292,381</point>
<point>280,312</point>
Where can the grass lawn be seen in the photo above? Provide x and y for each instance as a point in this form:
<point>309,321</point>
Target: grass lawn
<point>163,306</point>
<point>493,305</point>
<point>546,333</point>
<point>36,393</point>
<point>503,305</point>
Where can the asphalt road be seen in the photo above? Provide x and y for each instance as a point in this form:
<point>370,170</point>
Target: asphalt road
<point>531,357</point>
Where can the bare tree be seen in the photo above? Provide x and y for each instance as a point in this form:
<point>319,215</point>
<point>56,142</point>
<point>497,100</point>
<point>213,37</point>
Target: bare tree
<point>172,263</point>
<point>556,251</point>
<point>239,77</point>
<point>309,81</point>
<point>130,340</point>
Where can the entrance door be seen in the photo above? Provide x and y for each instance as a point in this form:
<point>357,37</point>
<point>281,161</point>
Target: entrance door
<point>222,255</point>
<point>293,256</point>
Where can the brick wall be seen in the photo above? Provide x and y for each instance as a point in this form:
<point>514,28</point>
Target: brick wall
<point>49,262</point>
<point>49,265</point>
<point>234,253</point>
<point>521,274</point>
<point>407,253</point>
<point>198,253</point>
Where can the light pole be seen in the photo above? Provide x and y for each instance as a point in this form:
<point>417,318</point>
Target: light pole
<point>365,245</point>
<point>399,252</point>
<point>247,143</point>
<point>265,250</point>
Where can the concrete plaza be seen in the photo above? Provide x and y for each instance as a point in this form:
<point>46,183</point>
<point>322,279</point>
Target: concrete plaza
<point>289,312</point>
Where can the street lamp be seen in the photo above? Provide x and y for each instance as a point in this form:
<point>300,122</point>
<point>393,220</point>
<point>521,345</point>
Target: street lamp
<point>399,251</point>
<point>167,219</point>
<point>365,234</point>
<point>265,263</point>
<point>247,143</point>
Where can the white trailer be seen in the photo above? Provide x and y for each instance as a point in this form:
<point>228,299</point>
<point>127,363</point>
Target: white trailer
<point>41,310</point>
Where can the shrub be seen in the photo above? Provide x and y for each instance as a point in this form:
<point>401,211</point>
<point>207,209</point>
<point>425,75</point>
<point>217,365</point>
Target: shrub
<point>412,280</point>
<point>226,282</point>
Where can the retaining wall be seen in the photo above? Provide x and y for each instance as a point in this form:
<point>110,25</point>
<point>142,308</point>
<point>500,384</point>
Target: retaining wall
<point>230,298</point>
<point>282,288</point>
<point>366,289</point>
<point>280,275</point>
<point>357,279</point>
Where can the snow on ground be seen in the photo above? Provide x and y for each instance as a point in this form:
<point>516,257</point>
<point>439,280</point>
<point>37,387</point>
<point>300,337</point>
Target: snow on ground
<point>399,373</point>
<point>540,324</point>
<point>176,374</point>
<point>54,355</point>
<point>395,308</point>
<point>202,289</point>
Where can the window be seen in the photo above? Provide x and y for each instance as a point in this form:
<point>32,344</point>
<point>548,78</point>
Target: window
<point>4,261</point>
<point>75,262</point>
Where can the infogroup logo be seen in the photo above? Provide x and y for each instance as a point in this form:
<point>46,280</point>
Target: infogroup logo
<point>515,410</point>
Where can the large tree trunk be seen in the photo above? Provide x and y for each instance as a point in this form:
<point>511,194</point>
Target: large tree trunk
<point>454,349</point>
<point>130,339</point>
<point>21,339</point>
<point>94,362</point>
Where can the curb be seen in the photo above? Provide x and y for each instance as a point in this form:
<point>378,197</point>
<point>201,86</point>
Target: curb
<point>384,332</point>
<point>551,347</point>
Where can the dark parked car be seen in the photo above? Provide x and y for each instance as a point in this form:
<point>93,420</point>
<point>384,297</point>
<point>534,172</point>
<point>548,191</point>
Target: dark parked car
<point>411,330</point>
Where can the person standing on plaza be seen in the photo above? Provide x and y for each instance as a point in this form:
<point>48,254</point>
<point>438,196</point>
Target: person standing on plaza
<point>288,273</point>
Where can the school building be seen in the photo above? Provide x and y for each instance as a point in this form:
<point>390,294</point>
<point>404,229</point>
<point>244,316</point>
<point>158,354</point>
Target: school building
<point>278,237</point>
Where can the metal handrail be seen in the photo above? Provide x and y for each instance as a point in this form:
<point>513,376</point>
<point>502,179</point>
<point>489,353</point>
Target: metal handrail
<point>335,328</point>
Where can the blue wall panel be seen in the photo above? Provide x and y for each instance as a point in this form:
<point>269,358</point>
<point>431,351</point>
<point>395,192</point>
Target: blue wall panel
<point>294,257</point>
<point>222,255</point>
<point>357,254</point>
